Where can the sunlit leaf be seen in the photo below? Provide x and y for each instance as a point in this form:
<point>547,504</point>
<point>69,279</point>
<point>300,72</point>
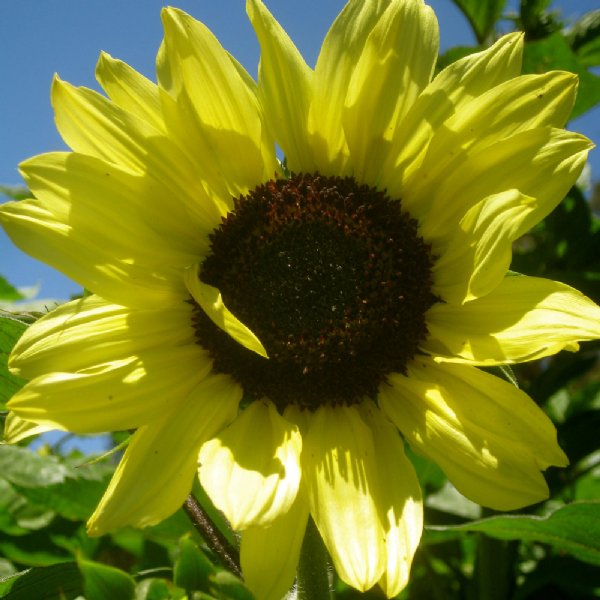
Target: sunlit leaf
<point>574,529</point>
<point>554,52</point>
<point>9,292</point>
<point>23,467</point>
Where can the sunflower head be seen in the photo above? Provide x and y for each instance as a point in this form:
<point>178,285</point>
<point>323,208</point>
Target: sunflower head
<point>333,278</point>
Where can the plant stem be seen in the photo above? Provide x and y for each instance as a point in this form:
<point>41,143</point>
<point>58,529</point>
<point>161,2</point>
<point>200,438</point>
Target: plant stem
<point>216,541</point>
<point>313,567</point>
<point>494,569</point>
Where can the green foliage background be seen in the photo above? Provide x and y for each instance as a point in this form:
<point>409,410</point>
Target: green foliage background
<point>551,550</point>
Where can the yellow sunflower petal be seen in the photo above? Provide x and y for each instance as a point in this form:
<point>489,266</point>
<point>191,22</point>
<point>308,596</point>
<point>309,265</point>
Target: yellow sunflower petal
<point>17,429</point>
<point>451,89</point>
<point>524,318</point>
<point>130,90</point>
<point>340,468</point>
<point>60,178</point>
<point>285,88</point>
<point>156,473</point>
<point>115,395</point>
<point>337,60</point>
<point>39,233</point>
<point>489,437</point>
<point>251,470</point>
<point>90,331</point>
<point>521,104</point>
<point>395,64</point>
<point>477,257</point>
<point>226,112</point>
<point>542,163</point>
<point>43,235</point>
<point>210,300</point>
<point>91,124</point>
<point>401,505</point>
<point>269,555</point>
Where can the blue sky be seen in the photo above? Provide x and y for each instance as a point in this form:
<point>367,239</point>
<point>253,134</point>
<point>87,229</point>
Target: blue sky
<point>41,37</point>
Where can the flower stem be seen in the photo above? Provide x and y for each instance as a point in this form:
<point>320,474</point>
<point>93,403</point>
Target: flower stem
<point>313,567</point>
<point>494,564</point>
<point>216,541</point>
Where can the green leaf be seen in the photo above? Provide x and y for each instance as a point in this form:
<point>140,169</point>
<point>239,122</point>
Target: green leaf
<point>101,581</point>
<point>11,330</point>
<point>585,39</point>
<point>153,589</point>
<point>9,292</point>
<point>230,587</point>
<point>14,192</point>
<point>25,468</point>
<point>574,529</point>
<point>554,52</point>
<point>36,549</point>
<point>43,583</point>
<point>77,494</point>
<point>73,499</point>
<point>192,568</point>
<point>536,21</point>
<point>481,15</point>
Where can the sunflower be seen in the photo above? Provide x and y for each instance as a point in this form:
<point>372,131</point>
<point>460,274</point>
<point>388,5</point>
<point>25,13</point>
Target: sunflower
<point>284,328</point>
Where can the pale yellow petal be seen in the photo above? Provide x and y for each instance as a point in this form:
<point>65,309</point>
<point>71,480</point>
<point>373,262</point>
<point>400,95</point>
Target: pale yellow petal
<point>156,473</point>
<point>93,228</point>
<point>17,429</point>
<point>488,436</point>
<point>451,89</point>
<point>130,90</point>
<point>251,471</point>
<point>340,468</point>
<point>90,331</point>
<point>226,121</point>
<point>91,124</point>
<point>542,163</point>
<point>210,300</point>
<point>43,235</point>
<point>521,104</point>
<point>73,183</point>
<point>284,88</point>
<point>395,65</point>
<point>115,395</point>
<point>341,50</point>
<point>478,255</point>
<point>400,505</point>
<point>269,555</point>
<point>524,318</point>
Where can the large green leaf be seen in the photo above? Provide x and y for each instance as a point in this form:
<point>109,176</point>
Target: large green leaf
<point>554,52</point>
<point>62,581</point>
<point>73,491</point>
<point>11,330</point>
<point>574,529</point>
<point>102,582</point>
<point>25,468</point>
<point>192,569</point>
<point>481,15</point>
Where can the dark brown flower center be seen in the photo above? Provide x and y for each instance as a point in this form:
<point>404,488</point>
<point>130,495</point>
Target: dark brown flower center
<point>334,280</point>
